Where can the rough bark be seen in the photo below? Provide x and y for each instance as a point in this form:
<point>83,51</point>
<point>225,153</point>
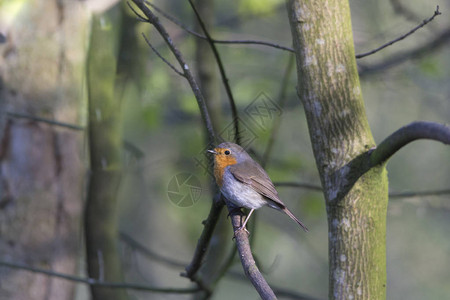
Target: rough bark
<point>328,86</point>
<point>41,164</point>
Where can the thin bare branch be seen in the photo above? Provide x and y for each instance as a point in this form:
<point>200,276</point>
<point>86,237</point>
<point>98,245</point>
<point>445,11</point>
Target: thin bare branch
<point>406,135</point>
<point>95,282</point>
<point>401,195</point>
<point>198,35</point>
<point>222,73</point>
<point>161,57</point>
<point>247,260</point>
<point>202,244</point>
<point>424,22</point>
<point>44,120</point>
<point>138,15</point>
<point>411,194</point>
<point>420,51</point>
<point>281,101</point>
<point>254,42</point>
<point>234,275</point>
<point>216,206</point>
<point>149,253</point>
<point>152,19</point>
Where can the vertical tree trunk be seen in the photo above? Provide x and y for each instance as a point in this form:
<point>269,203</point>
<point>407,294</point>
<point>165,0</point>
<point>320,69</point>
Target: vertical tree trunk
<point>41,164</point>
<point>105,143</point>
<point>328,86</point>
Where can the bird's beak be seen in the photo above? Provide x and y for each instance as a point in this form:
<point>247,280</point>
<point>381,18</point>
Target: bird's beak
<point>212,151</point>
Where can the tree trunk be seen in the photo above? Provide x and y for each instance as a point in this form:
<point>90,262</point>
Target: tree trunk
<point>328,86</point>
<point>105,143</point>
<point>41,161</point>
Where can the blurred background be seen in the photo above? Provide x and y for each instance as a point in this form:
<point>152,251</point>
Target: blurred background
<point>166,189</point>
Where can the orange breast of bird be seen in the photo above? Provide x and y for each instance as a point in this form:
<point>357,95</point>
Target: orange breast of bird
<point>221,161</point>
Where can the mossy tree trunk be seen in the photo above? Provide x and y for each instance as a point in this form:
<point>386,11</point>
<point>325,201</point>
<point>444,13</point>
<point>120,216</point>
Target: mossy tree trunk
<point>356,201</point>
<point>105,142</point>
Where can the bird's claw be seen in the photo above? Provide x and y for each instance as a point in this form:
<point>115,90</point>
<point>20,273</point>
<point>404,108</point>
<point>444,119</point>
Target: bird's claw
<point>239,229</point>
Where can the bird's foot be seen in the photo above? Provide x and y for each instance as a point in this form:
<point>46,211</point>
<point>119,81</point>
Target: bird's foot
<point>240,229</point>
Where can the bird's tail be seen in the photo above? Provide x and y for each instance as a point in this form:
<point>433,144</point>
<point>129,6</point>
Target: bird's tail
<point>291,215</point>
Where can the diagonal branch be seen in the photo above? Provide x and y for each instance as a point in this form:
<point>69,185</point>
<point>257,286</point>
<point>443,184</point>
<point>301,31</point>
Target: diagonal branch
<point>406,135</point>
<point>420,51</point>
<point>149,253</point>
<point>44,120</point>
<point>216,206</point>
<point>247,260</point>
<point>222,72</point>
<point>400,195</point>
<point>202,244</point>
<point>424,22</point>
<point>152,19</point>
<point>162,58</point>
<point>200,36</point>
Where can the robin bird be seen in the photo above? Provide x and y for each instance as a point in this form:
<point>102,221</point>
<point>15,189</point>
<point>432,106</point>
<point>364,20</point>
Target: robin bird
<point>244,183</point>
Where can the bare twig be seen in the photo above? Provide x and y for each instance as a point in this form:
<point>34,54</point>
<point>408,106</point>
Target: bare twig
<point>198,35</point>
<point>44,120</point>
<point>161,57</point>
<point>406,135</point>
<point>281,101</point>
<point>216,206</point>
<point>140,17</point>
<point>152,19</point>
<point>411,194</point>
<point>420,51</point>
<point>247,260</point>
<point>204,239</point>
<point>400,195</point>
<point>149,253</point>
<point>254,42</point>
<point>222,73</point>
<point>95,282</point>
<point>234,275</point>
<point>424,22</point>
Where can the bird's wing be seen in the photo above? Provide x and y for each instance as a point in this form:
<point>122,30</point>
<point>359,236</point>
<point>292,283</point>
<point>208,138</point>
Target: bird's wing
<point>253,175</point>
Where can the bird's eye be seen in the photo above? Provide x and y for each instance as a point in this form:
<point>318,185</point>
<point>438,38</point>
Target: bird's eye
<point>227,152</point>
